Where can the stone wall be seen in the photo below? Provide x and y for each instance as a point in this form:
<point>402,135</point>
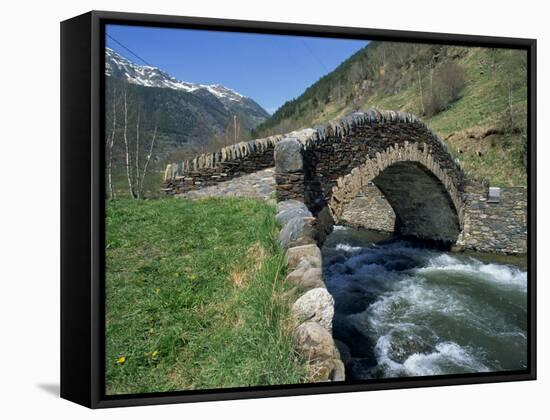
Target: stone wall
<point>222,165</point>
<point>370,210</point>
<point>488,227</point>
<point>495,227</point>
<point>313,308</point>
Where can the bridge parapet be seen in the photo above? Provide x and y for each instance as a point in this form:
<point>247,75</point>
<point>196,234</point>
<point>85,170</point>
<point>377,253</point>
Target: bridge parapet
<point>343,155</point>
<point>222,165</point>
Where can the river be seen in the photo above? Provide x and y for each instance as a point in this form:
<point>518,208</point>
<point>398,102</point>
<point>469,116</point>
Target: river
<point>406,310</point>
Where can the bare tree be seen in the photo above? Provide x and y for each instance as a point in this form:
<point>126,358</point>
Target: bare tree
<point>129,171</point>
<point>137,145</point>
<point>510,107</point>
<point>110,146</point>
<point>130,139</point>
<point>144,172</point>
<point>421,94</point>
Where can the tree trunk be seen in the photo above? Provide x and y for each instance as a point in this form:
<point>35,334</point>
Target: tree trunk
<point>144,172</point>
<point>110,147</point>
<point>421,93</point>
<point>510,103</point>
<point>136,182</point>
<point>129,175</point>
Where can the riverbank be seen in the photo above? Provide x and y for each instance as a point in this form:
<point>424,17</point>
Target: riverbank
<point>195,297</point>
<point>406,310</point>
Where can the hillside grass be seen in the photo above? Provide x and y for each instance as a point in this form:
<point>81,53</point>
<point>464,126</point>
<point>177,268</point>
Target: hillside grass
<point>483,103</point>
<point>195,297</point>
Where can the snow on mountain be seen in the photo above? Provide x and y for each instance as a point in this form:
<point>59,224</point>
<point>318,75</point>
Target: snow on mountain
<point>191,112</point>
<point>120,67</point>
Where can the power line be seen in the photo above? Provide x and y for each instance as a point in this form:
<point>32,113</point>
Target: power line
<point>315,56</point>
<point>129,50</point>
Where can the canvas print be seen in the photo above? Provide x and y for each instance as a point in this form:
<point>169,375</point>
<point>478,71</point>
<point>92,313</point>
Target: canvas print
<point>285,210</point>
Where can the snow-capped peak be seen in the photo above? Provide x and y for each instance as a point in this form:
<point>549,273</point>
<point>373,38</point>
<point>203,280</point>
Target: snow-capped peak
<point>120,67</point>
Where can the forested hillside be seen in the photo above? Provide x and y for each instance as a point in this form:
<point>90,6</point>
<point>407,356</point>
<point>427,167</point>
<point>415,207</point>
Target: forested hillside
<point>474,98</point>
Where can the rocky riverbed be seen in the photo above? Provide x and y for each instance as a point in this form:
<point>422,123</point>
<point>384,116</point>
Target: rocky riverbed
<point>405,310</point>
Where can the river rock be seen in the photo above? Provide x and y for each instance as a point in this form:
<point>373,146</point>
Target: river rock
<point>289,204</point>
<point>306,277</point>
<point>311,253</point>
<point>315,342</point>
<point>297,231</point>
<point>339,371</point>
<point>288,156</point>
<point>403,345</point>
<point>345,352</point>
<point>283,217</point>
<point>315,305</point>
<point>332,370</point>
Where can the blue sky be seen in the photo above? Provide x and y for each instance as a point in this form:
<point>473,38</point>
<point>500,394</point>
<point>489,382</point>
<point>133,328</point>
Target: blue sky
<point>270,69</point>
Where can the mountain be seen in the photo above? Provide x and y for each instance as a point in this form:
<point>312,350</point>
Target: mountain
<point>475,98</point>
<point>187,112</point>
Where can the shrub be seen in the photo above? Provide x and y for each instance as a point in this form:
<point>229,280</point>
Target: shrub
<point>447,83</point>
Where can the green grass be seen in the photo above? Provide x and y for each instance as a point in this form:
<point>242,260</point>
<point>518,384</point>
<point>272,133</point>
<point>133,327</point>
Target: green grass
<point>483,103</point>
<point>195,297</point>
<point>151,184</point>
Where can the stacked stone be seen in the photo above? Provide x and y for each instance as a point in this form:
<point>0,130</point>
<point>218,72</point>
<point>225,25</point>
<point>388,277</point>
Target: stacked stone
<point>222,165</point>
<point>350,185</point>
<point>314,309</point>
<point>370,210</point>
<point>495,227</point>
<point>289,169</point>
<point>329,151</point>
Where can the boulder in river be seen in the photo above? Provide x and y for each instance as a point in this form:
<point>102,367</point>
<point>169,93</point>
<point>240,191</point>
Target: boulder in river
<point>285,216</point>
<point>306,277</point>
<point>315,342</point>
<point>297,231</point>
<point>315,305</point>
<point>403,345</point>
<point>289,204</point>
<point>318,346</point>
<point>296,254</point>
<point>327,370</point>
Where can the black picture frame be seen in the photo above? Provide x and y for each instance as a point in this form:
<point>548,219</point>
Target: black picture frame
<point>83,213</point>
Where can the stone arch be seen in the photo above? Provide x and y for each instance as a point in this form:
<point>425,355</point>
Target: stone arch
<point>326,167</point>
<point>425,199</point>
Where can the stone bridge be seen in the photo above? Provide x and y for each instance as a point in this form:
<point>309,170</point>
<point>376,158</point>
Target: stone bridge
<point>394,151</point>
<point>327,167</point>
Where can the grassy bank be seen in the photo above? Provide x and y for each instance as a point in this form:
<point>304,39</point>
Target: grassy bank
<point>195,297</point>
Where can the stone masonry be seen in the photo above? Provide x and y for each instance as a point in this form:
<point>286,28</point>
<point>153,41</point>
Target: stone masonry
<point>227,163</point>
<point>432,197</point>
<point>495,227</point>
<point>369,210</point>
<point>313,309</point>
<point>405,178</point>
<point>222,165</point>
